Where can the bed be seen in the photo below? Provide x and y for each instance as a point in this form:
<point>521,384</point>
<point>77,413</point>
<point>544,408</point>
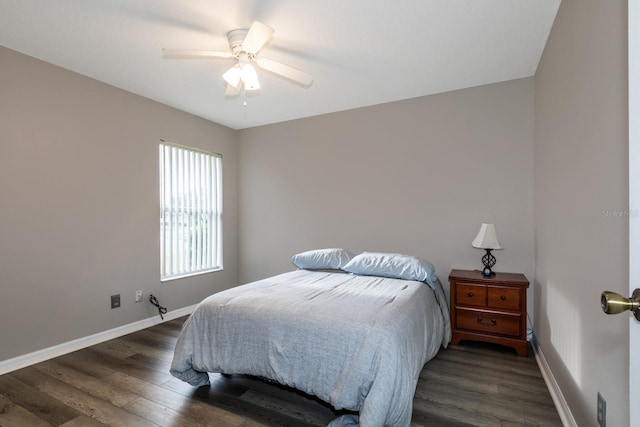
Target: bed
<point>358,342</point>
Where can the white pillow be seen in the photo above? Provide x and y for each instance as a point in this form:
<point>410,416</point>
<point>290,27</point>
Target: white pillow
<point>397,266</point>
<point>322,259</point>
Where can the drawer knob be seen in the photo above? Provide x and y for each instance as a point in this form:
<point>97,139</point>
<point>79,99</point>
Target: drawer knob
<point>470,294</point>
<point>493,322</point>
<point>503,298</point>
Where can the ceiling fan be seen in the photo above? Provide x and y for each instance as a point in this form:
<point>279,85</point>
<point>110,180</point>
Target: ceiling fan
<point>244,46</point>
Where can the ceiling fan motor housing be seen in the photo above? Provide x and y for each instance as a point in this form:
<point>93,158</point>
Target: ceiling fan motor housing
<point>236,37</point>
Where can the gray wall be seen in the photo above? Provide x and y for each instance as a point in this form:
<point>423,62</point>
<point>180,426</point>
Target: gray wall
<point>417,177</point>
<point>581,204</point>
<point>79,208</point>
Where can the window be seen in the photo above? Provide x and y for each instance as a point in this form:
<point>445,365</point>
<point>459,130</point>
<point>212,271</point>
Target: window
<point>190,211</point>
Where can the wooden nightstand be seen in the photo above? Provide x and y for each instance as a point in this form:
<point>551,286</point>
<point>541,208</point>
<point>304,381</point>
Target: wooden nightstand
<point>491,309</point>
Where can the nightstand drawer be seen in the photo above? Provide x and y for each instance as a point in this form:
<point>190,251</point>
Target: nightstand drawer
<point>471,295</point>
<point>488,322</point>
<point>503,298</point>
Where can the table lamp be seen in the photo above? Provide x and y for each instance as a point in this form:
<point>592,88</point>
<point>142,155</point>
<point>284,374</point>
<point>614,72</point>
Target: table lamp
<point>487,239</point>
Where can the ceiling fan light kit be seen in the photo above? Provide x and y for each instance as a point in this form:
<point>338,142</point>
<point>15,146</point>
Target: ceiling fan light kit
<point>243,72</point>
<point>245,45</point>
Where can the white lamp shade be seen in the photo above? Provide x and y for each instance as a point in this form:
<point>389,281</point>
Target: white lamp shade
<point>487,238</point>
<point>232,76</point>
<point>250,77</point>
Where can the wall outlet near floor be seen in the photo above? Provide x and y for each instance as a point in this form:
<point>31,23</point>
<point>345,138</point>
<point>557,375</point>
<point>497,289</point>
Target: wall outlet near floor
<point>138,296</point>
<point>115,301</point>
<point>602,411</point>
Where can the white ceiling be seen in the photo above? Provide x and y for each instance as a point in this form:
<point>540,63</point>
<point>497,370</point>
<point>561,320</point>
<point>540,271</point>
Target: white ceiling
<point>360,52</point>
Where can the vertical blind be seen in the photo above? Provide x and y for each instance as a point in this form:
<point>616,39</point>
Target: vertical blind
<point>190,211</point>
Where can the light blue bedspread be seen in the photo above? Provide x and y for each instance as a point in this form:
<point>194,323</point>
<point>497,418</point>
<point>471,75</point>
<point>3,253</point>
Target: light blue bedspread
<point>356,342</point>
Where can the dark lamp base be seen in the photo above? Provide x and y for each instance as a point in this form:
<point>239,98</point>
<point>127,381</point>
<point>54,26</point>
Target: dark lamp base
<point>487,272</point>
<point>488,260</point>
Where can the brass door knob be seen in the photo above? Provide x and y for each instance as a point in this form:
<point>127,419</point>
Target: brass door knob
<point>613,303</point>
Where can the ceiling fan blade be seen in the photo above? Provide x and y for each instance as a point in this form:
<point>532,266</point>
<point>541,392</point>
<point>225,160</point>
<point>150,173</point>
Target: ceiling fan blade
<point>185,53</point>
<point>291,73</point>
<point>257,36</point>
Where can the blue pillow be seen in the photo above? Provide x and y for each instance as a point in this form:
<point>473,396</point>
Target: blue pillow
<point>397,266</point>
<point>322,259</point>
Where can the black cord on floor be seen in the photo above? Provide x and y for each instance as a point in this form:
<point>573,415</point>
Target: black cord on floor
<point>161,310</point>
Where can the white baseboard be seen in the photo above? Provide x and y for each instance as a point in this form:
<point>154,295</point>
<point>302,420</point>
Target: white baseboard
<point>556,394</point>
<point>64,348</point>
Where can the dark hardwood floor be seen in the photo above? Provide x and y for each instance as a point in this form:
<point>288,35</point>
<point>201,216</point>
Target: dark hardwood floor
<point>126,382</point>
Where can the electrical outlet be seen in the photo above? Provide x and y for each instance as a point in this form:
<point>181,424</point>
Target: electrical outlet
<point>115,301</point>
<point>138,296</point>
<point>602,411</point>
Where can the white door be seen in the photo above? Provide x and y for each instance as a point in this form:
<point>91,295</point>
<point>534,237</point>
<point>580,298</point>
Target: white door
<point>634,203</point>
